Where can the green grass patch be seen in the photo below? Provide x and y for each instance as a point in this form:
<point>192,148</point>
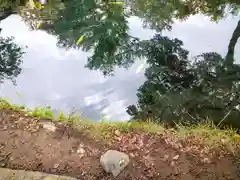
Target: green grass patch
<point>44,112</point>
<point>211,135</point>
<point>205,133</point>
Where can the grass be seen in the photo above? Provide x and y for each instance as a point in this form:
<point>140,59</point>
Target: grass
<point>210,135</point>
<point>205,133</point>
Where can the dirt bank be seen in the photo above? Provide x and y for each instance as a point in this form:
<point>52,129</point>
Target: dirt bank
<point>26,145</point>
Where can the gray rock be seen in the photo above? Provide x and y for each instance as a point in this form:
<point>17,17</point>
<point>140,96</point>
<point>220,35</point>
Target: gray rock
<point>114,162</point>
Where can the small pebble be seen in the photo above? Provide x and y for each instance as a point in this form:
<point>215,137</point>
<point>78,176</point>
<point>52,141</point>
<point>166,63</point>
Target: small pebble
<point>80,151</point>
<point>176,157</point>
<point>56,166</point>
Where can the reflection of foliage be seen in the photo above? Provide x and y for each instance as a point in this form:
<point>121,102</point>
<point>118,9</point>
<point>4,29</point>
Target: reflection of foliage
<point>10,59</point>
<point>104,25</point>
<point>160,14</point>
<point>163,70</point>
<point>207,87</point>
<point>216,9</point>
<point>152,15</point>
<point>6,4</point>
<point>176,87</point>
<point>158,50</point>
<point>46,15</point>
<point>105,30</point>
<point>203,88</point>
<point>29,15</point>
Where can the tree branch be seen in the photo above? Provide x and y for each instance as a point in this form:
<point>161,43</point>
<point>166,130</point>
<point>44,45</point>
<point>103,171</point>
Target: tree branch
<point>232,44</point>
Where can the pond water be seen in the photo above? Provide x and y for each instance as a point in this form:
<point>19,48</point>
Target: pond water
<point>56,77</point>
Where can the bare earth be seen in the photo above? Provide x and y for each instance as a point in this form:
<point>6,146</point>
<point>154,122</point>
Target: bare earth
<point>9,174</point>
<point>26,145</point>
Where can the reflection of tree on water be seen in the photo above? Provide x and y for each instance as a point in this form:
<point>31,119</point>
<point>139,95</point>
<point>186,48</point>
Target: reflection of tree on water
<point>104,24</point>
<point>104,30</point>
<point>194,91</point>
<point>10,59</point>
<point>168,94</point>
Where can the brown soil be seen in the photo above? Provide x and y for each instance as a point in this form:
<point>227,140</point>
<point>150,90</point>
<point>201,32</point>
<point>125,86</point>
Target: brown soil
<point>25,144</point>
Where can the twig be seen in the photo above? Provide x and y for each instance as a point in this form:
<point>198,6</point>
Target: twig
<point>224,117</point>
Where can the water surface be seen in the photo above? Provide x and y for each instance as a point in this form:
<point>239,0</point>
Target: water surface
<point>56,77</point>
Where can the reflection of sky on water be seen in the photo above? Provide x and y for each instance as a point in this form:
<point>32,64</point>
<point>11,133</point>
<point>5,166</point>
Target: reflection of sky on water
<point>56,77</point>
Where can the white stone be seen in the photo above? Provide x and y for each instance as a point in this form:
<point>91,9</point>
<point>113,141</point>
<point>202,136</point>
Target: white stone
<point>80,151</point>
<point>49,126</point>
<point>114,162</point>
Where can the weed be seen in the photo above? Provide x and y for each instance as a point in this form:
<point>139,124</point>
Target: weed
<point>205,133</point>
<point>44,112</point>
<point>61,116</point>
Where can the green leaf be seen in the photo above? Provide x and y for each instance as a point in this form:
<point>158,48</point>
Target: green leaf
<point>80,40</point>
